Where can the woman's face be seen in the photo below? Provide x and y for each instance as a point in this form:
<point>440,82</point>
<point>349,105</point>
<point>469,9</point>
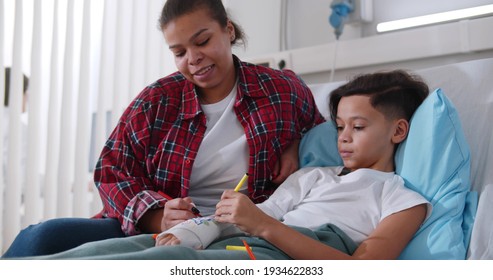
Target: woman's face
<point>202,51</point>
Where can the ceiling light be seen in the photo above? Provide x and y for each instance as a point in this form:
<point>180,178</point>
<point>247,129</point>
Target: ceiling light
<point>434,18</point>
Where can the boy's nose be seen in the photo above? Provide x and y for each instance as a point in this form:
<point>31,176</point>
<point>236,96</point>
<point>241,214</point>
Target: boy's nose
<point>344,136</point>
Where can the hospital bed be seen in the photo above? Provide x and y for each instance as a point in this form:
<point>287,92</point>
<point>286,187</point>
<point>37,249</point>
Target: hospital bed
<point>448,157</point>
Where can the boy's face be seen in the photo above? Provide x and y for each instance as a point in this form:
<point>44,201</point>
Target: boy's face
<point>366,138</point>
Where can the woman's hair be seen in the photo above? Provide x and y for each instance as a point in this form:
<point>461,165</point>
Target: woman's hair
<point>176,8</point>
<point>396,94</point>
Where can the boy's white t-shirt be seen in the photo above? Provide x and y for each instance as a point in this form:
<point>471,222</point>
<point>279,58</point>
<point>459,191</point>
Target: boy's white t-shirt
<point>356,202</point>
<point>313,196</point>
<point>222,158</point>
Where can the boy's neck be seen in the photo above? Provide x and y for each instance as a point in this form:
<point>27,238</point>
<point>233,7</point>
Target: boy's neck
<point>344,171</point>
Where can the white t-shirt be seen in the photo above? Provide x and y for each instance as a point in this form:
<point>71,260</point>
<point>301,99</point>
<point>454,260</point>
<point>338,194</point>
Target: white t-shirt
<point>222,158</point>
<point>313,196</point>
<point>356,202</point>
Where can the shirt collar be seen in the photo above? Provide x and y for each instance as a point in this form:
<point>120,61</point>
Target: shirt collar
<point>191,106</point>
<point>248,80</point>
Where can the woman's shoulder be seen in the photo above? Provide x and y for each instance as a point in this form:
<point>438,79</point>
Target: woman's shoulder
<point>171,85</point>
<point>266,74</point>
<point>162,93</point>
<point>258,80</point>
<point>169,88</point>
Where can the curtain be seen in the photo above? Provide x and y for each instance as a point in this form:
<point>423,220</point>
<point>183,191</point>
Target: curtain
<point>85,61</point>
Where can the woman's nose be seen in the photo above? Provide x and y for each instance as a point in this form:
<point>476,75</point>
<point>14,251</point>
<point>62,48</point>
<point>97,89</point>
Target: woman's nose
<point>195,57</point>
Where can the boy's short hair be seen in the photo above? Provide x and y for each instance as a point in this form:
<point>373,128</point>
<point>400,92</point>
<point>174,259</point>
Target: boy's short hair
<point>396,94</point>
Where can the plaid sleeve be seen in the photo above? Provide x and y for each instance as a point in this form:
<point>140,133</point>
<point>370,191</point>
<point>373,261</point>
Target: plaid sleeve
<point>121,176</point>
<point>150,150</point>
<point>121,179</point>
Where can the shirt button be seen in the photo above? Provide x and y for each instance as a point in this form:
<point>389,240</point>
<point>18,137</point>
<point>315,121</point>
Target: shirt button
<point>187,161</point>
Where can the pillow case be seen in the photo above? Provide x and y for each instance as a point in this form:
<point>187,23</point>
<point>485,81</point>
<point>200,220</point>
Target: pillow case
<point>434,160</point>
<point>318,147</point>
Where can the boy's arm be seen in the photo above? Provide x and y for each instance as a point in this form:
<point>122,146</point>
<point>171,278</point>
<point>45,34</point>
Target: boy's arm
<point>197,233</point>
<point>386,242</point>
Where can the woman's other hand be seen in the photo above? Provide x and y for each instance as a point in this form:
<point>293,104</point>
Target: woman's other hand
<point>287,164</point>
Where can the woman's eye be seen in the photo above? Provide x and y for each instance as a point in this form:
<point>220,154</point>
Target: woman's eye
<point>359,128</point>
<point>203,43</point>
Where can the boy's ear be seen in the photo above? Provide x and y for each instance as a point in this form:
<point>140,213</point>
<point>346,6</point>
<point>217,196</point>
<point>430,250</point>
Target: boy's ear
<point>401,130</point>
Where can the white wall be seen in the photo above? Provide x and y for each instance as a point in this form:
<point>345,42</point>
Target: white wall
<point>307,20</point>
<point>260,20</point>
<point>307,27</point>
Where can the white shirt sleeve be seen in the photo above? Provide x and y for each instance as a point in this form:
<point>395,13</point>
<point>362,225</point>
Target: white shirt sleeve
<point>198,233</point>
<point>396,197</point>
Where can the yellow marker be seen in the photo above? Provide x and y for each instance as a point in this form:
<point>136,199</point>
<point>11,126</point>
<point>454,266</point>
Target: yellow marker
<point>238,187</point>
<point>235,248</point>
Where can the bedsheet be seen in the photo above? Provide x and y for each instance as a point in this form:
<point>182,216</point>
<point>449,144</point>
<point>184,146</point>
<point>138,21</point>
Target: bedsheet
<point>481,246</point>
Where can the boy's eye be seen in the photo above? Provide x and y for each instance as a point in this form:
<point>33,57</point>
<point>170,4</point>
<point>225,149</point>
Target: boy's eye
<point>357,127</point>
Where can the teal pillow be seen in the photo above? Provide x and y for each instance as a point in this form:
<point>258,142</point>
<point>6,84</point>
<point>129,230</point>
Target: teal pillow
<point>318,147</point>
<point>434,160</point>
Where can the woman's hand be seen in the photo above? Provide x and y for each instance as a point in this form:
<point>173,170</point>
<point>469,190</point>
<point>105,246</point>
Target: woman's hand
<point>176,211</point>
<point>236,208</point>
<point>287,164</point>
<point>167,240</point>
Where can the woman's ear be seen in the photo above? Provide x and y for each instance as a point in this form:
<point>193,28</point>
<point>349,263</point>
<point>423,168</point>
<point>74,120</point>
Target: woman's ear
<point>401,130</point>
<point>231,30</point>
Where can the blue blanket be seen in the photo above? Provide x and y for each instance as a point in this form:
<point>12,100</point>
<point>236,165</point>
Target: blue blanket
<point>142,247</point>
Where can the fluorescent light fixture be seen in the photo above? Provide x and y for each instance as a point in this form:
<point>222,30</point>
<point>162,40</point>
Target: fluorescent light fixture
<point>434,18</point>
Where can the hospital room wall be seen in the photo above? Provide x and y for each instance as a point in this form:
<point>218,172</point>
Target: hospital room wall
<point>306,25</point>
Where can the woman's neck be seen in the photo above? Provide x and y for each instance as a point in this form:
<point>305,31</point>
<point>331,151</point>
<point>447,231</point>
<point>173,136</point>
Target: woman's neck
<point>214,95</point>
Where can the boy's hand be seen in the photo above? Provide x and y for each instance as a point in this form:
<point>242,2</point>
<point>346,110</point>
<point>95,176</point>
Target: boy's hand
<point>236,208</point>
<point>167,240</point>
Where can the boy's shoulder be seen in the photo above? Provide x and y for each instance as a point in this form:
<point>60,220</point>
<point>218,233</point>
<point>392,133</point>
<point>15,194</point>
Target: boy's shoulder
<point>319,170</point>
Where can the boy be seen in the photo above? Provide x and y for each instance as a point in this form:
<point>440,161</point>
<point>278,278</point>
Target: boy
<point>365,198</point>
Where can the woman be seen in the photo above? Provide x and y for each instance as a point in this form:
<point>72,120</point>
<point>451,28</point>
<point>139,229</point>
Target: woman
<point>189,136</point>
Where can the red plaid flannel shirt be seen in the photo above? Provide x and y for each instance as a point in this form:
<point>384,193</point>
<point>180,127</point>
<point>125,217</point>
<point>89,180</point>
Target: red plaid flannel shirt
<point>154,145</point>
